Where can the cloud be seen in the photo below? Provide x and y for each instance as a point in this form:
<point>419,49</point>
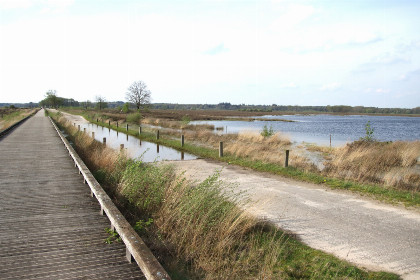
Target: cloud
<point>379,62</point>
<point>330,87</point>
<point>216,50</point>
<point>411,75</point>
<point>26,4</point>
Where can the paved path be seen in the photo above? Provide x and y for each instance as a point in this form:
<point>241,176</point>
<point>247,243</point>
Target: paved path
<point>365,232</point>
<point>50,226</point>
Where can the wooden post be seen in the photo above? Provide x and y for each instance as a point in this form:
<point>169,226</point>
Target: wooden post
<point>157,148</point>
<point>97,120</point>
<point>139,130</point>
<point>182,140</point>
<point>182,155</point>
<point>74,124</point>
<point>117,124</point>
<point>220,149</point>
<point>126,127</point>
<point>78,127</point>
<point>330,141</point>
<point>121,146</point>
<point>84,130</point>
<point>286,162</point>
<point>104,141</point>
<point>109,123</point>
<point>157,135</point>
<point>93,134</point>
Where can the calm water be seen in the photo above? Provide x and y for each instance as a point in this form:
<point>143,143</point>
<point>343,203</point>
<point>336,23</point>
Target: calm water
<point>135,148</point>
<point>343,129</point>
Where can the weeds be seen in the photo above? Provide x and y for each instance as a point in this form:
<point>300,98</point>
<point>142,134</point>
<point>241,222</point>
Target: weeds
<point>113,236</point>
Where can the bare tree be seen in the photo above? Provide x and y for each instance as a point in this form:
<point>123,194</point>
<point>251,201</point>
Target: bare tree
<point>101,102</point>
<point>138,94</point>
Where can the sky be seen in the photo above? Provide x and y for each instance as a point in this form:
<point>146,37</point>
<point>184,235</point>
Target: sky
<point>336,52</point>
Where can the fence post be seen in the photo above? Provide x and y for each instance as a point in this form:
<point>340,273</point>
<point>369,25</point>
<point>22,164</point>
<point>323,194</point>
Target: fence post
<point>84,130</point>
<point>157,135</point>
<point>104,141</point>
<point>97,120</point>
<point>78,127</point>
<point>126,127</point>
<point>117,124</point>
<point>220,149</point>
<point>121,146</point>
<point>139,130</point>
<point>330,141</point>
<point>93,134</point>
<point>109,123</point>
<point>286,162</point>
<point>182,140</point>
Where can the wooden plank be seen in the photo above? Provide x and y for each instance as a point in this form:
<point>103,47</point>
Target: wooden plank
<point>51,227</point>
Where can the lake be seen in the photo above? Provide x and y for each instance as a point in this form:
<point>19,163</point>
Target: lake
<point>318,128</point>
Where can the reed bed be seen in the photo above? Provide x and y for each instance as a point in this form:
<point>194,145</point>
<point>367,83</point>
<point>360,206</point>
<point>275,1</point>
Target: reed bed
<point>389,163</point>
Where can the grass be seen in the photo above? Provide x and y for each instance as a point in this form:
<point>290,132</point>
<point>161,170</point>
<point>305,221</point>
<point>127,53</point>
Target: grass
<point>8,117</point>
<point>266,154</point>
<point>202,226</point>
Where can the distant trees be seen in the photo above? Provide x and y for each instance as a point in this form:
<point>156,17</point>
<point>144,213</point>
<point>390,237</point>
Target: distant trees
<point>101,102</point>
<point>138,94</point>
<point>51,99</point>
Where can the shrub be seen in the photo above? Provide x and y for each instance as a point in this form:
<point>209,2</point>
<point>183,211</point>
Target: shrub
<point>134,117</point>
<point>267,131</point>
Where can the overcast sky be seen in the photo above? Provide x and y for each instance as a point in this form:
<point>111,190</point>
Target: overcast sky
<point>253,52</point>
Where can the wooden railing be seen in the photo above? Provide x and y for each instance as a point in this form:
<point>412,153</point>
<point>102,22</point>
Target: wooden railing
<point>135,247</point>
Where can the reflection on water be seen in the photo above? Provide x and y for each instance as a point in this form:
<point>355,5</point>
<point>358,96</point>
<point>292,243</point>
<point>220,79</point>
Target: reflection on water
<point>135,147</point>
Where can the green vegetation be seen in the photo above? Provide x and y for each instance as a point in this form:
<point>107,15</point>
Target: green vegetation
<point>200,231</point>
<point>267,131</point>
<point>369,133</point>
<point>113,236</point>
<point>11,115</point>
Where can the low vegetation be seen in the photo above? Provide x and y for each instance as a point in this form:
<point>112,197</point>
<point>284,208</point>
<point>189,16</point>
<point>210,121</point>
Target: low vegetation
<point>10,116</point>
<point>203,226</point>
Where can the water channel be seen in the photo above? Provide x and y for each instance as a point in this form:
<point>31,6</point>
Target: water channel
<point>135,148</point>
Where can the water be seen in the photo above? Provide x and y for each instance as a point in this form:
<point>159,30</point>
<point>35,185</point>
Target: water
<point>343,129</point>
<point>135,147</point>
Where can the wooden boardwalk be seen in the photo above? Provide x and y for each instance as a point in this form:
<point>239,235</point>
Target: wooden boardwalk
<point>50,227</point>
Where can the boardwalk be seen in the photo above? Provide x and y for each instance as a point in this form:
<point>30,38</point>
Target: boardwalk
<point>50,226</point>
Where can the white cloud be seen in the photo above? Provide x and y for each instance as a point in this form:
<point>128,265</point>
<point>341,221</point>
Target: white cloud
<point>330,87</point>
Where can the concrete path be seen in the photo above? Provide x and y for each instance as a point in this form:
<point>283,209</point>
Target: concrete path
<point>50,226</point>
<point>362,231</point>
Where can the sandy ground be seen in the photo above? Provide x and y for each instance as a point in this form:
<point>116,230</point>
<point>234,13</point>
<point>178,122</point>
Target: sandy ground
<point>365,232</point>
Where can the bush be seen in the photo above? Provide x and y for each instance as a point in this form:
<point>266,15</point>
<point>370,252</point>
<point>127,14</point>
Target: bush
<point>267,131</point>
<point>134,117</point>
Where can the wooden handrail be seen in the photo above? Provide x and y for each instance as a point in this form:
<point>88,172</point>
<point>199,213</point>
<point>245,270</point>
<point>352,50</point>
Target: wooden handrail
<point>135,246</point>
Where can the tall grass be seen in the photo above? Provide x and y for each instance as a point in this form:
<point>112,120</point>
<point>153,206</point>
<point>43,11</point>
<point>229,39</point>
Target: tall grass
<point>204,225</point>
<point>389,163</point>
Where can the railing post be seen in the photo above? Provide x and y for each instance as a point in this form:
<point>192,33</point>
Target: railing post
<point>93,134</point>
<point>117,124</point>
<point>286,162</point>
<point>139,130</point>
<point>182,140</point>
<point>104,141</point>
<point>84,130</point>
<point>220,149</point>
<point>126,127</point>
<point>109,123</point>
<point>78,127</point>
<point>157,135</point>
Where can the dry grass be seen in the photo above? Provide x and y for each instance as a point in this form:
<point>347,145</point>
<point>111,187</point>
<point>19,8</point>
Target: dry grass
<point>391,164</point>
<point>9,117</point>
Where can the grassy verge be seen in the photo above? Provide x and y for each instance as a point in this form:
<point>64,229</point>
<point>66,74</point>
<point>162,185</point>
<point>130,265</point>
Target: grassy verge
<point>376,191</point>
<point>9,117</point>
<point>202,227</point>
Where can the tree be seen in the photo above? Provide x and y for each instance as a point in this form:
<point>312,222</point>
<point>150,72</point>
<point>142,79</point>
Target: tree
<point>138,94</point>
<point>51,99</point>
<point>101,102</point>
